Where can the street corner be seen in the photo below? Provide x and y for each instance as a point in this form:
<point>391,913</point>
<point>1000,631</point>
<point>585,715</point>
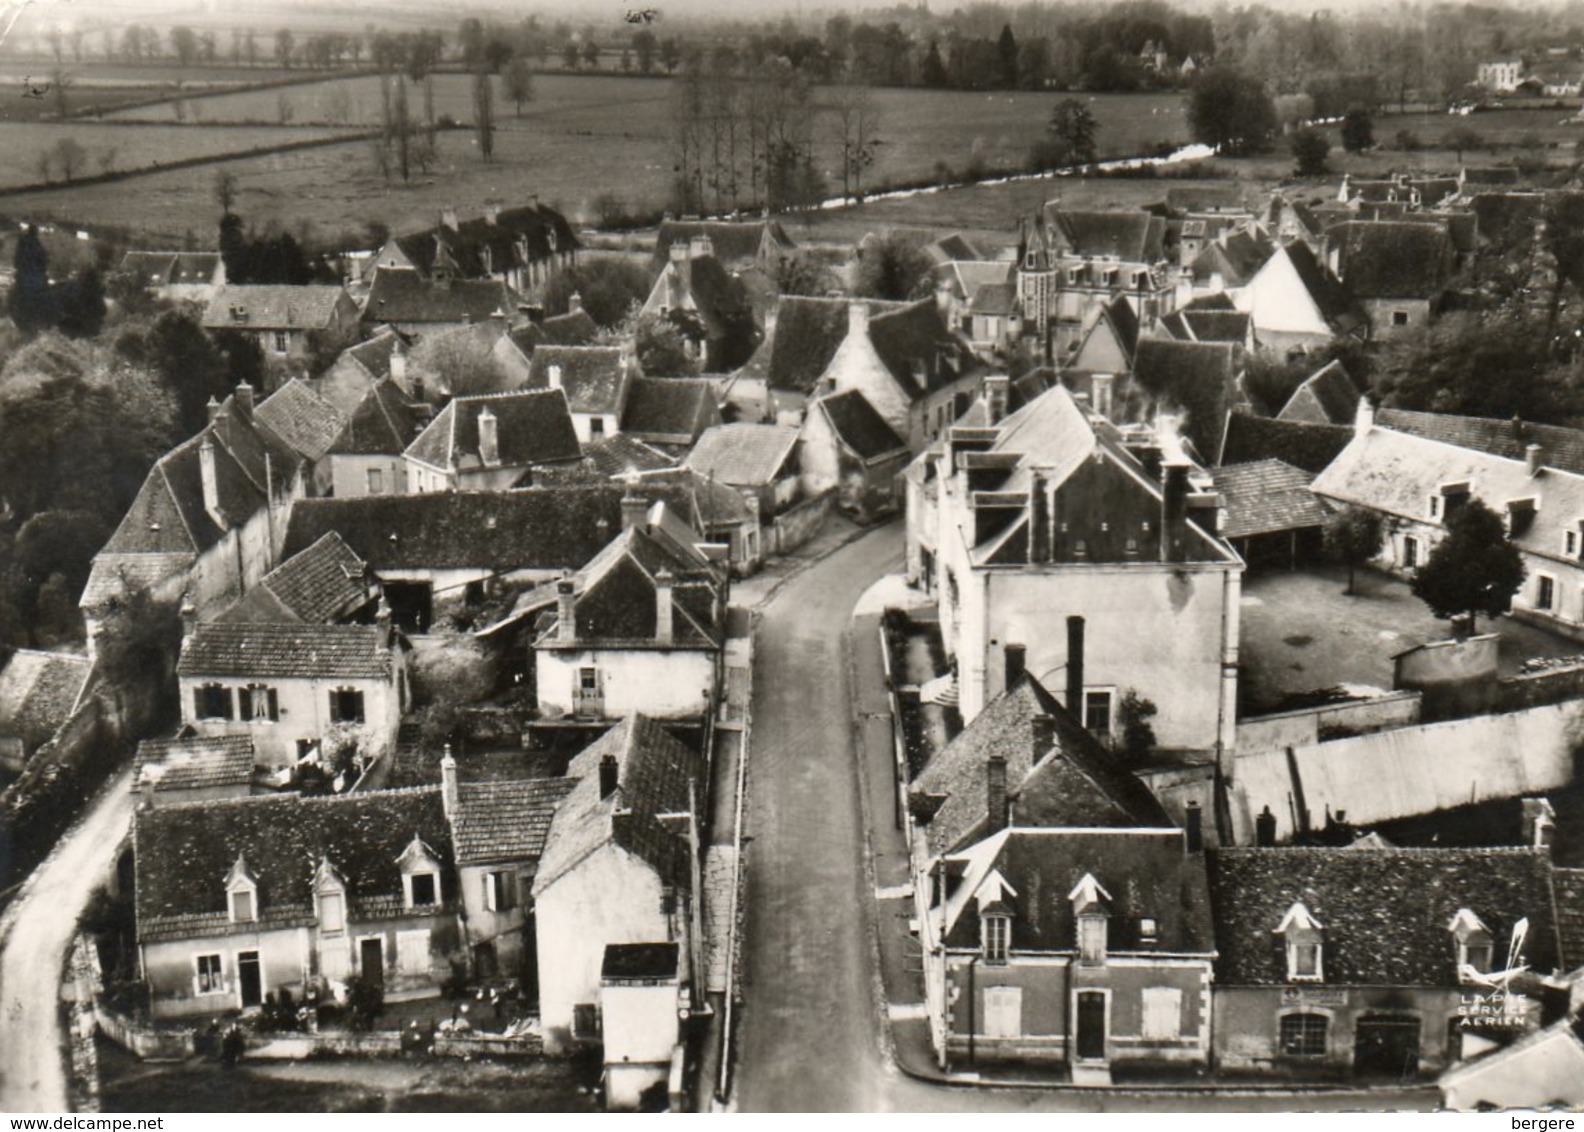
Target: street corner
<point>889,592</point>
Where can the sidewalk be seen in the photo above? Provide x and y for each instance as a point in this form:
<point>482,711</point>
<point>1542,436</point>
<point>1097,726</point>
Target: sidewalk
<point>755,592</point>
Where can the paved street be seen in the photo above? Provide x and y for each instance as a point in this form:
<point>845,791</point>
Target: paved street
<point>32,1069</point>
<point>812,1037</point>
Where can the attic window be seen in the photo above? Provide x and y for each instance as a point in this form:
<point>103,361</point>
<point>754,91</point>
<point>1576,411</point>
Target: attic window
<point>1474,944</point>
<point>424,888</point>
<point>1147,930</point>
<point>1301,932</point>
<point>995,935</point>
<point>1435,506</point>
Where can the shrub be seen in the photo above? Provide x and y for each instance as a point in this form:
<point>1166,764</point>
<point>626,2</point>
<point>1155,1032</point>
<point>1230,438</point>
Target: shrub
<point>1135,713</point>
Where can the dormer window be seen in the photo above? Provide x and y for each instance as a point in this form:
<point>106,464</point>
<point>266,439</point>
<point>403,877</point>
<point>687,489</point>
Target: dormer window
<point>241,893</point>
<point>1473,943</point>
<point>1148,930</point>
<point>1570,543</point>
<point>329,898</point>
<point>1301,931</point>
<point>1091,909</point>
<point>995,936</point>
<point>420,870</point>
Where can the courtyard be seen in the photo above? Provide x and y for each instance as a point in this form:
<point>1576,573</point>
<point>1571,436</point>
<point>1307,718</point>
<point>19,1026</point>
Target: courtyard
<point>1301,634</point>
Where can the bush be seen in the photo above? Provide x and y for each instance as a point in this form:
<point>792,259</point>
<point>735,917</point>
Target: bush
<point>1407,141</point>
<point>365,1003</point>
<point>1135,713</point>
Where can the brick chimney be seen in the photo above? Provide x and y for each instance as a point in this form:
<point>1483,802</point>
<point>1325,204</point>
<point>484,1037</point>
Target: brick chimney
<point>189,617</point>
<point>635,511</point>
<point>858,319</point>
<point>244,399</point>
<point>1539,823</point>
<point>398,364</point>
<point>1039,549</point>
<point>1075,665</point>
<point>995,793</point>
<point>609,775</point>
<point>488,437</point>
<point>997,389</point>
<point>664,609</point>
<point>1534,459</point>
<point>1364,419</point>
<point>566,610</point>
<point>1174,513</point>
<point>210,478</point>
<point>448,784</point>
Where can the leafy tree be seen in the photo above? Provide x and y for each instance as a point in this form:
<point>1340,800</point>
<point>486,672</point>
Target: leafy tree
<point>1073,129</point>
<point>895,268</point>
<point>608,289</point>
<point>670,54</point>
<point>645,46</point>
<point>803,275</point>
<point>1475,569</point>
<point>225,192</point>
<point>519,82</point>
<point>1309,149</point>
<point>285,42</point>
<point>591,54</point>
<point>1358,130</point>
<point>933,72</point>
<point>81,305</point>
<point>31,302</point>
<point>70,157</point>
<point>1135,713</point>
<point>1353,536</point>
<point>570,55</point>
<point>1462,139</point>
<point>1231,111</point>
<point>181,353</point>
<point>1007,53</point>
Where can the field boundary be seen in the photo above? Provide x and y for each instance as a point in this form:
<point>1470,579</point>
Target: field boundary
<point>177,92</point>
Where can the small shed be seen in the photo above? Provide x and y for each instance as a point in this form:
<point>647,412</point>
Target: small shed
<point>1269,515</point>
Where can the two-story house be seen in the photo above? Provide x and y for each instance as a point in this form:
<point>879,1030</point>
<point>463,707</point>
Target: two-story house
<point>520,247</point>
<point>597,381</point>
<point>489,443</point>
<point>712,306</point>
<point>1399,271</point>
<point>293,326</point>
<point>367,456</point>
<point>403,299</point>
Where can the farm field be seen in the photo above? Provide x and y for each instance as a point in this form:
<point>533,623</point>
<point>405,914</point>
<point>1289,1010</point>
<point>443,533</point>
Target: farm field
<point>129,147</point>
<point>109,85</point>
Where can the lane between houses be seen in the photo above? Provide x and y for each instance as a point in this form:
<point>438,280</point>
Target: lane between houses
<point>41,925</point>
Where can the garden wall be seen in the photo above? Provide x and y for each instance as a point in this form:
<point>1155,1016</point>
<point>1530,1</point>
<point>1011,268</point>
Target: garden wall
<point>1290,728</point>
<point>796,525</point>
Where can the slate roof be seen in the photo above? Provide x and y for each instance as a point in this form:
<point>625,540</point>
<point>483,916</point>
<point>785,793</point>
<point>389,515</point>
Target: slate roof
<point>807,333</point>
<point>732,242</point>
<point>375,354</point>
<point>38,691</point>
<point>1308,446</point>
<point>505,821</point>
<point>1563,448</point>
<point>639,961</point>
<point>995,299</point>
<point>657,774</point>
<point>1216,326</point>
<point>1145,872</point>
<point>185,852</point>
<point>743,455</point>
<point>544,528</point>
<point>1385,260</point>
<point>164,269</point>
<point>608,458</point>
<point>670,410</point>
<point>915,343</point>
<point>111,574</point>
<point>1074,783</point>
<point>289,651</point>
<point>384,423</point>
<point>596,378</point>
<point>1266,497</point>
<point>1235,259</point>
<point>273,306</point>
<point>1197,379</point>
<point>1334,301</point>
<point>403,295</point>
<point>301,419</point>
<point>1327,396</point>
<point>199,762</point>
<point>1383,912</point>
<point>1136,237</point>
<point>322,583</point>
<point>533,427</point>
<point>859,425</point>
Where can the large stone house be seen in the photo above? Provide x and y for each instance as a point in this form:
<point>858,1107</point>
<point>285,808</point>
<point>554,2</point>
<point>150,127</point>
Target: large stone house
<point>489,443</point>
<point>293,326</point>
<point>520,247</point>
<point>1050,548</point>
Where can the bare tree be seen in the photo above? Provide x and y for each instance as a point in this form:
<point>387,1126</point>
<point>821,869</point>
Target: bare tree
<point>403,130</point>
<point>857,122</point>
<point>484,112</point>
<point>225,190</point>
<point>70,157</point>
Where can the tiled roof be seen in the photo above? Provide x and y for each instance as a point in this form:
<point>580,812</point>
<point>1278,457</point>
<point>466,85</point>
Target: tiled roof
<point>859,425</point>
<point>657,774</point>
<point>531,428</point>
<point>955,248</point>
<point>1145,874</point>
<point>1216,326</point>
<point>38,691</point>
<point>196,763</point>
<point>1075,782</point>
<point>731,242</point>
<point>505,821</point>
<point>1333,300</point>
<point>743,455</point>
<point>995,299</point>
<point>1561,448</point>
<point>544,528</point>
<point>807,333</point>
<point>575,328</point>
<point>112,573</point>
<point>670,410</point>
<point>1384,260</point>
<point>1235,259</point>
<point>272,307</point>
<point>1135,237</point>
<point>1308,446</point>
<point>301,419</point>
<point>1265,497</point>
<point>1196,379</point>
<point>321,583</point>
<point>595,378</point>
<point>384,423</point>
<point>919,349</point>
<point>276,651</point>
<point>710,503</point>
<point>607,458</point>
<point>185,852</point>
<point>1384,913</point>
<point>375,354</point>
<point>405,296</point>
<point>1327,396</point>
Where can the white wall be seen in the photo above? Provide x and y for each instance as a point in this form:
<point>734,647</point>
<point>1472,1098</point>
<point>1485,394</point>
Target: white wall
<point>670,683</point>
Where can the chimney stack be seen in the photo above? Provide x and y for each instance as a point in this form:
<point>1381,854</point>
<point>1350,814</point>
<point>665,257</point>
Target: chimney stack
<point>1039,521</point>
<point>1534,459</point>
<point>997,390</point>
<point>995,793</point>
<point>1195,828</point>
<point>1101,384</point>
<point>566,610</point>
<point>210,477</point>
<point>1075,666</point>
<point>212,409</point>
<point>448,784</point>
<point>858,319</point>
<point>448,218</point>
<point>244,399</point>
<point>1265,829</point>
<point>382,621</point>
<point>189,618</point>
<point>943,301</point>
<point>1174,512</point>
<point>1539,823</point>
<point>634,510</point>
<point>609,775</point>
<point>699,246</point>
<point>663,607</point>
<point>553,375</point>
<point>1364,419</point>
<point>398,364</point>
<point>574,302</point>
<point>488,437</point>
<point>492,214</point>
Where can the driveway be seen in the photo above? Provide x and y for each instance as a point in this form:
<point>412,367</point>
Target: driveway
<point>36,933</point>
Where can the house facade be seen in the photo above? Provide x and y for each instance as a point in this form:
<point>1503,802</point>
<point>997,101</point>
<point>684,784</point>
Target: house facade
<point>488,443</point>
<point>291,325</point>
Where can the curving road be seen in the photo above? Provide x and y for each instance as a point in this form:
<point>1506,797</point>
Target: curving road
<point>37,932</point>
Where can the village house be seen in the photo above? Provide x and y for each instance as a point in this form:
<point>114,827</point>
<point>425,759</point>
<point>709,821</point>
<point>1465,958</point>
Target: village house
<point>620,866</point>
<point>1104,354</point>
<point>324,584</point>
<point>520,247</point>
<point>763,462</point>
<point>514,350</point>
<point>737,244</point>
<point>209,521</point>
<point>670,413</point>
<point>1048,547</point>
<point>367,457</point>
<point>306,423</point>
<point>488,443</point>
<point>298,329</point>
<point>191,277</point>
<point>1269,514</point>
<point>1327,396</point>
<point>192,768</point>
<point>597,381</point>
<point>349,378</point>
<point>1227,264</point>
<point>1416,483</point>
<point>403,299</point>
<point>38,693</point>
<point>299,690</point>
<point>847,446</point>
<point>241,898</point>
<point>640,628</point>
<point>983,301</point>
<point>1399,272</point>
<point>1367,961</point>
<point>1298,305</point>
<point>710,306</point>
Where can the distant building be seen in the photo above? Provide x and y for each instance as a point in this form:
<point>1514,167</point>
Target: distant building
<point>488,443</point>
<point>293,326</point>
<point>520,247</point>
<point>176,276</point>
